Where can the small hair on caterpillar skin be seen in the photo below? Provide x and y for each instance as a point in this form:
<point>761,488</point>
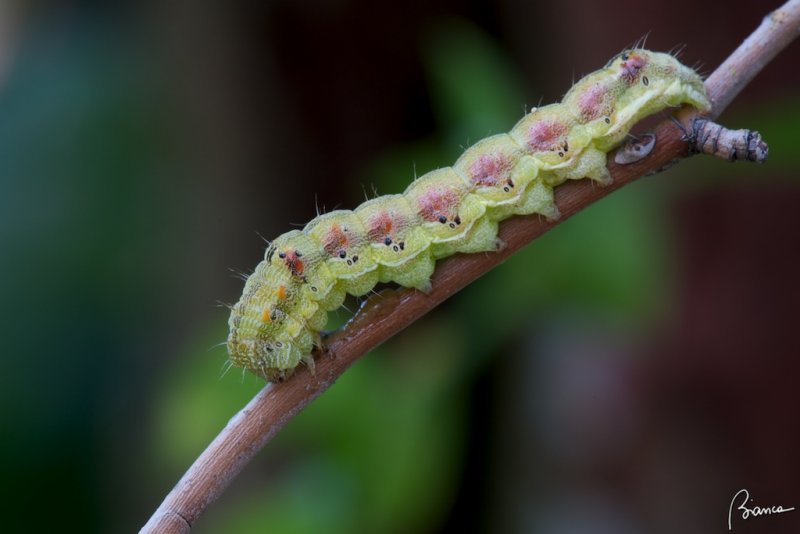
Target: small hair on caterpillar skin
<point>397,238</point>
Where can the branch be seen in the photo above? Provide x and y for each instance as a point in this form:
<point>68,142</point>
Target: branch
<point>386,314</point>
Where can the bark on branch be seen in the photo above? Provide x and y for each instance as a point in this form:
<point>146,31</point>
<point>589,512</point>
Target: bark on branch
<point>390,312</point>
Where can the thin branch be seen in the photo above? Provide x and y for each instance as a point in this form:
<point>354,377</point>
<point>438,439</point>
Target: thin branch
<point>391,311</point>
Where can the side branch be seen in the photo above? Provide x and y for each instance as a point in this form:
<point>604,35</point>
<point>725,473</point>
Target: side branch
<point>391,311</point>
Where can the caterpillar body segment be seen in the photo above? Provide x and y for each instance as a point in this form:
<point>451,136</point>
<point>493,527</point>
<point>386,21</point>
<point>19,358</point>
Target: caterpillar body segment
<point>398,238</point>
<point>399,245</point>
<point>451,215</point>
<point>553,136</point>
<point>344,241</point>
<point>501,173</point>
<point>593,101</point>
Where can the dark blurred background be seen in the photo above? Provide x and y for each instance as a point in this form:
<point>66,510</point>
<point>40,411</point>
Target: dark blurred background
<point>628,372</point>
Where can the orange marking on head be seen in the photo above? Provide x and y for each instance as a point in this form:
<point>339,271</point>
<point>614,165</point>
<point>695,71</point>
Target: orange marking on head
<point>282,292</point>
<point>266,315</point>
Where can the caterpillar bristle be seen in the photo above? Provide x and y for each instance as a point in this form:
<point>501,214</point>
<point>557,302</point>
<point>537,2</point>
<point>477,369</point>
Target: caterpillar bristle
<point>677,50</point>
<point>641,42</point>
<point>227,365</point>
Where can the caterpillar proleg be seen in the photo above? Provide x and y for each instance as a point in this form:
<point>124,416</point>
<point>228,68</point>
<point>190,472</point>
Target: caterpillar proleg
<point>398,238</point>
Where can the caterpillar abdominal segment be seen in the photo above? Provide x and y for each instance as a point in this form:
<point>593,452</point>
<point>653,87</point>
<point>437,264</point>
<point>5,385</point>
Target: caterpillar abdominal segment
<point>398,238</point>
<point>399,245</point>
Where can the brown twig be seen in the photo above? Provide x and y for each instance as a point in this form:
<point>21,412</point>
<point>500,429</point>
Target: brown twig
<point>388,313</point>
<point>710,138</point>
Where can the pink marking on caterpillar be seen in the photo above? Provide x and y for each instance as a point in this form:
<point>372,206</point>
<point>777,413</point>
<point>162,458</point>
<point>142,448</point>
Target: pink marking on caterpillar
<point>439,204</point>
<point>593,103</point>
<point>548,134</point>
<point>491,169</point>
<point>384,227</point>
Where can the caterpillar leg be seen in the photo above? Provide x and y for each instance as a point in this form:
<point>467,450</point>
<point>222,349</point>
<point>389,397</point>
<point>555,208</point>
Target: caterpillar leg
<point>359,285</point>
<point>679,93</point>
<point>285,356</point>
<point>414,273</point>
<point>317,322</point>
<point>539,199</point>
<point>308,360</point>
<point>591,164</point>
<point>482,238</point>
<point>424,288</point>
<point>274,375</point>
<point>497,171</point>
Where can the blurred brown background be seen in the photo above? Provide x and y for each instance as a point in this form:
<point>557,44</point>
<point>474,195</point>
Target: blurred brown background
<point>629,372</point>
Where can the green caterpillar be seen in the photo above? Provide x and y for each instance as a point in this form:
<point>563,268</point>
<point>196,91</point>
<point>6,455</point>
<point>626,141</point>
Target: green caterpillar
<point>398,238</point>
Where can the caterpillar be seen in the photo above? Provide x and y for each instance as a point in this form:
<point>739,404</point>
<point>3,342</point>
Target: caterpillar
<point>397,238</point>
